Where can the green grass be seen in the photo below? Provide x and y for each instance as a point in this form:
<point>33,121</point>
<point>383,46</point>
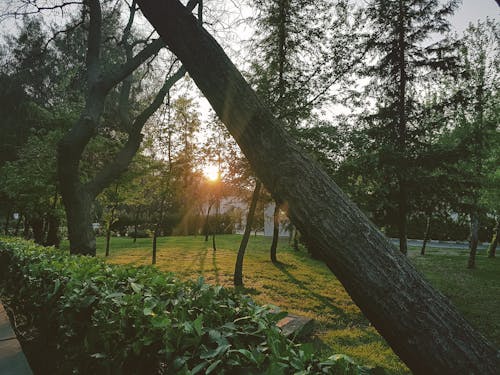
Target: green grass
<point>304,286</point>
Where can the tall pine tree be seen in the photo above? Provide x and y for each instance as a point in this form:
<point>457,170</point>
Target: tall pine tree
<point>400,56</point>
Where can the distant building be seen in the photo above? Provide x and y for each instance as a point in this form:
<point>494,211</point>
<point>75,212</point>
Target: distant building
<point>239,210</point>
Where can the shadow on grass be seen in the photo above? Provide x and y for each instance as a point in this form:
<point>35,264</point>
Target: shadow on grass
<point>216,269</point>
<point>344,319</point>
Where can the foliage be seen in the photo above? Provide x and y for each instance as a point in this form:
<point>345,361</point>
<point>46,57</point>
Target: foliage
<point>116,319</point>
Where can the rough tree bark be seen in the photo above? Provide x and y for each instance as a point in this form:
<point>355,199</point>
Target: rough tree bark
<point>238,268</point>
<point>419,323</point>
<point>276,232</point>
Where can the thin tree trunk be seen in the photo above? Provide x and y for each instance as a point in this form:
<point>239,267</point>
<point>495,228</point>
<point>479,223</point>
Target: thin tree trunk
<point>238,268</point>
<point>403,193</point>
<point>53,238</point>
<point>474,239</point>
<point>7,220</point>
<point>295,239</point>
<point>494,241</point>
<point>26,229</point>
<point>276,230</point>
<point>136,219</point>
<point>419,323</point>
<point>108,229</point>
<point>207,229</point>
<point>108,240</point>
<point>214,247</point>
<point>18,224</point>
<point>37,225</point>
<point>426,234</point>
<point>157,230</point>
<point>155,235</point>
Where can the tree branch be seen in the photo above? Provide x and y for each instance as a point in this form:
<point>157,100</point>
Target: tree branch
<point>119,73</point>
<point>94,43</point>
<point>127,153</point>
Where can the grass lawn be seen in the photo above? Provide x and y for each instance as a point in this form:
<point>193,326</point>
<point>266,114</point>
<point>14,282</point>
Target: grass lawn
<point>304,286</point>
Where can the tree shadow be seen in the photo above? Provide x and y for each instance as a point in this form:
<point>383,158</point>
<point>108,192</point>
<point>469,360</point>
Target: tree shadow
<point>216,269</point>
<point>199,260</point>
<point>343,317</point>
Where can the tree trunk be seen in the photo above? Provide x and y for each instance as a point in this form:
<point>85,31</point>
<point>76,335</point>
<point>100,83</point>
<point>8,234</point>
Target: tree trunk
<point>136,219</point>
<point>276,232</point>
<point>494,240</point>
<point>53,238</point>
<point>78,203</point>
<point>18,224</point>
<point>108,240</point>
<point>155,235</point>
<point>207,229</point>
<point>7,220</point>
<point>215,227</point>
<point>37,225</point>
<point>26,229</point>
<point>401,142</point>
<point>426,234</point>
<point>419,323</point>
<point>295,239</point>
<point>213,241</point>
<point>238,268</point>
<point>474,238</point>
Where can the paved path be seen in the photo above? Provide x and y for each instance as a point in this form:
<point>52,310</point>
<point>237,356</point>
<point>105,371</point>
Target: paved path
<point>12,359</point>
<point>442,244</point>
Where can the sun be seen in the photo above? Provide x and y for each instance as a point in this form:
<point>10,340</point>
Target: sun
<point>211,172</point>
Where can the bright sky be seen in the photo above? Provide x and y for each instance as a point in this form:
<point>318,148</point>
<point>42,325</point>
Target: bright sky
<point>473,10</point>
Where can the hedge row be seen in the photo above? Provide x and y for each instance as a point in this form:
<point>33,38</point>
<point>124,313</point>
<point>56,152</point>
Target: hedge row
<point>102,319</point>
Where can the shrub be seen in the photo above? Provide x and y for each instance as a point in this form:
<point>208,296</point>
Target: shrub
<point>104,319</point>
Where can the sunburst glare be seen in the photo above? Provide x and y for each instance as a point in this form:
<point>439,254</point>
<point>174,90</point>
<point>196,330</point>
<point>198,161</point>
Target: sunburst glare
<point>211,172</point>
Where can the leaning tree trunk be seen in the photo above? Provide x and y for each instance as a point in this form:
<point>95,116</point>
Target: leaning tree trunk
<point>474,239</point>
<point>276,232</point>
<point>494,240</point>
<point>426,234</point>
<point>238,268</point>
<point>419,323</point>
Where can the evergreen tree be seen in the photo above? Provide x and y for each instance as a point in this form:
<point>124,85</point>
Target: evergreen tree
<point>401,56</point>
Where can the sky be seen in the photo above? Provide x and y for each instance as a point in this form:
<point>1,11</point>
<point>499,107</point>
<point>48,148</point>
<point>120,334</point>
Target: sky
<point>473,10</point>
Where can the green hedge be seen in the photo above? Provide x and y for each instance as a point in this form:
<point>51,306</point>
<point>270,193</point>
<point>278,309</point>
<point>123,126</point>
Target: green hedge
<point>98,318</point>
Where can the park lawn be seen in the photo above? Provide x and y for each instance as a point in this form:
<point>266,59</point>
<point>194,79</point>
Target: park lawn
<point>306,287</point>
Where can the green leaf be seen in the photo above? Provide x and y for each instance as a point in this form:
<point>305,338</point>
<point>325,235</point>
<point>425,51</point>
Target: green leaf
<point>213,366</point>
<point>198,325</point>
<point>196,369</point>
<point>136,287</point>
